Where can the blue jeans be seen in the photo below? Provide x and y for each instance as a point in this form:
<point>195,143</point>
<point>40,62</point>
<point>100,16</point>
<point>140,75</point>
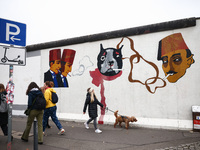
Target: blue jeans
<point>51,112</point>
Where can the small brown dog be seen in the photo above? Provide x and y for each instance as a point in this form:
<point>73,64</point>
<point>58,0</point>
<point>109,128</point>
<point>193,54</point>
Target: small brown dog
<point>126,119</point>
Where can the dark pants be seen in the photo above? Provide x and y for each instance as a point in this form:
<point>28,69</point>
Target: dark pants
<point>94,122</point>
<point>4,122</point>
<point>4,128</point>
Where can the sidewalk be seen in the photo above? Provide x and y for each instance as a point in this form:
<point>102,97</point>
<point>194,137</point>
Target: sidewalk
<point>79,138</point>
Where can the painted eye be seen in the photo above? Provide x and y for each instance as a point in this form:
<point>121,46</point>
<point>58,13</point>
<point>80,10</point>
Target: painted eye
<point>165,61</point>
<point>102,58</point>
<point>117,54</point>
<point>177,59</point>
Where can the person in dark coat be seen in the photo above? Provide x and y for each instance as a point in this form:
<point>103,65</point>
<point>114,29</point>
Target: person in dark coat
<point>3,110</point>
<point>33,91</point>
<point>92,101</point>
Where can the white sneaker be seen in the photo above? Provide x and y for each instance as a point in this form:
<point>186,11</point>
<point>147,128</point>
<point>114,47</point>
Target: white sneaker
<point>62,131</point>
<point>44,134</point>
<point>86,125</point>
<point>98,131</point>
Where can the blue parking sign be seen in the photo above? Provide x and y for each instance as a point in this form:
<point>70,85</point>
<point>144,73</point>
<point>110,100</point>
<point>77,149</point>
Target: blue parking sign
<point>13,33</point>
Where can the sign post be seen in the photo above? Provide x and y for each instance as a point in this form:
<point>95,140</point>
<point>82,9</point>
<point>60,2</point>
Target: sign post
<point>10,97</point>
<point>12,33</point>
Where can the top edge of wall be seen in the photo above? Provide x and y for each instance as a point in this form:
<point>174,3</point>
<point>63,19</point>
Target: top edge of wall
<point>164,26</point>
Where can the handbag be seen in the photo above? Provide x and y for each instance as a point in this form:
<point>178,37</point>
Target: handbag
<point>3,105</point>
<point>28,110</point>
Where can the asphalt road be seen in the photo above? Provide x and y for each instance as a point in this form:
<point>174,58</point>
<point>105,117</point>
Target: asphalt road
<point>79,138</point>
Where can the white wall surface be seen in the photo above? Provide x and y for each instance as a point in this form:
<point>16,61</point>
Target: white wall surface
<point>169,107</point>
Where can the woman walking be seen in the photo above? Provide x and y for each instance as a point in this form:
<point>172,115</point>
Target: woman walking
<point>50,108</point>
<point>33,91</point>
<point>92,101</point>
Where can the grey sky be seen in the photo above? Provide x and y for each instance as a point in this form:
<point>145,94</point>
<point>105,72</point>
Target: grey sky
<point>51,20</point>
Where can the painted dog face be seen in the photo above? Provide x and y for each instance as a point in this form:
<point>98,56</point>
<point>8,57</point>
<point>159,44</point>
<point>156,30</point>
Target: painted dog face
<point>109,61</point>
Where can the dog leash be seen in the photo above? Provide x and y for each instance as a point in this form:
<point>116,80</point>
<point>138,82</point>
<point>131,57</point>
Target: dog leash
<point>111,110</point>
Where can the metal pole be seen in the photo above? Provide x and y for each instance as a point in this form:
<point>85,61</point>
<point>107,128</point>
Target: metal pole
<point>35,146</point>
<point>9,145</point>
<point>9,122</point>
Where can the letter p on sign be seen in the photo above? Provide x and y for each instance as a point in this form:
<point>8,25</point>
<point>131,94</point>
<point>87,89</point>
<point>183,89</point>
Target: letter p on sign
<point>9,32</point>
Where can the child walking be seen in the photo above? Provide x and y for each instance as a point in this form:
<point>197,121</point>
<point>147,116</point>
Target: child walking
<point>92,101</point>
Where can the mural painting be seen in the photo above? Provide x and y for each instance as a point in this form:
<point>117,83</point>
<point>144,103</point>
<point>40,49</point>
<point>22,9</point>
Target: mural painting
<point>84,64</point>
<point>138,57</point>
<point>172,50</point>
<point>109,62</point>
<point>60,67</point>
<point>175,55</point>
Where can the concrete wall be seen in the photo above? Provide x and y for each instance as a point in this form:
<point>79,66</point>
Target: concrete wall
<point>167,107</point>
